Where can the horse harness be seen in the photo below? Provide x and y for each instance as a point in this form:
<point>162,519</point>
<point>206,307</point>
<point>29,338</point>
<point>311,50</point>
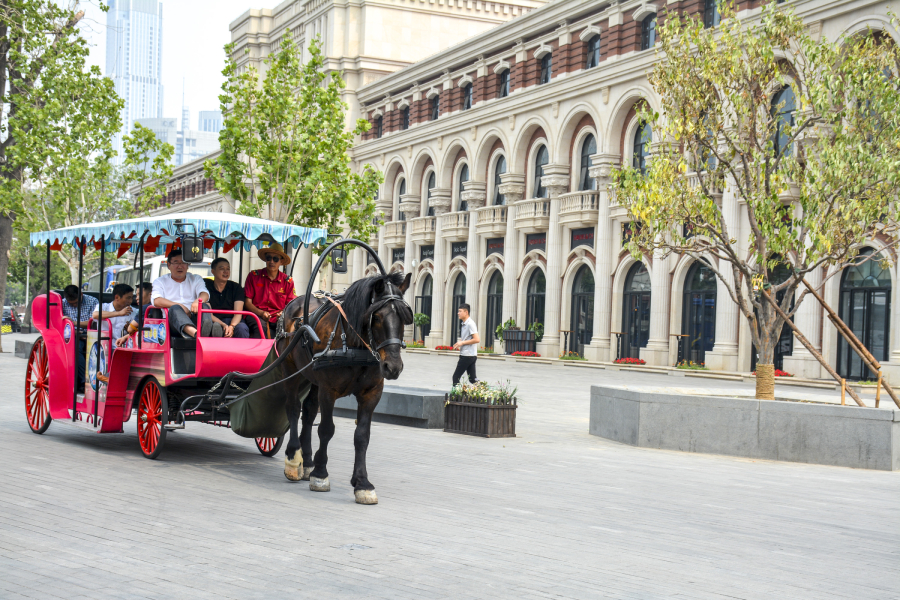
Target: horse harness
<point>347,356</point>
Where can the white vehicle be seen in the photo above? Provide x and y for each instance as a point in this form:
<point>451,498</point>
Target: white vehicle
<point>155,267</point>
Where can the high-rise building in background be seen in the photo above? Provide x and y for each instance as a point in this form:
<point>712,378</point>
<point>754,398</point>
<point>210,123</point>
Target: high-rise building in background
<point>134,60</point>
<point>210,120</point>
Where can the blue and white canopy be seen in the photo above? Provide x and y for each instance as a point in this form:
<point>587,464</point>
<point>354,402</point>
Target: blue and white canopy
<point>160,231</point>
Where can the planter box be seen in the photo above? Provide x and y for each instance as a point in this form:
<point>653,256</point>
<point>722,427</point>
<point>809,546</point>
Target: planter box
<point>518,340</point>
<point>485,420</point>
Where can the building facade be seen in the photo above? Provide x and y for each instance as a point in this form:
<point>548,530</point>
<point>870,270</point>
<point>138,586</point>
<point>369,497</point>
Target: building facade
<point>134,60</point>
<point>210,120</point>
<point>497,155</point>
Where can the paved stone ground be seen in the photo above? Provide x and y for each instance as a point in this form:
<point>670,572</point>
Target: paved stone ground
<point>554,513</point>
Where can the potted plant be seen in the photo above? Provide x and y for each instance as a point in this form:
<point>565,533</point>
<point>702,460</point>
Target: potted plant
<point>481,409</point>
<point>498,332</point>
<point>538,329</point>
<point>420,320</point>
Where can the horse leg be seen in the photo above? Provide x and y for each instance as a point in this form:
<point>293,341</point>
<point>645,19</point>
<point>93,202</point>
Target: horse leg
<point>310,410</point>
<point>318,478</point>
<point>293,459</point>
<point>363,489</point>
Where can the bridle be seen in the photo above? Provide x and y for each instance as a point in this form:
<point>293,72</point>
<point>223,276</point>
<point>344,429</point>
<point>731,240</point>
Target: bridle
<point>390,298</point>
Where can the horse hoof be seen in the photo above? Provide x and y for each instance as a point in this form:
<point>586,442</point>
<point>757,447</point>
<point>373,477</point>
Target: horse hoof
<point>366,497</point>
<point>306,472</point>
<point>319,485</point>
<point>293,469</point>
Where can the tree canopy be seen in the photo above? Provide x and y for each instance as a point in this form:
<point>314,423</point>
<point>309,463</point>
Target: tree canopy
<point>804,133</point>
<point>285,144</point>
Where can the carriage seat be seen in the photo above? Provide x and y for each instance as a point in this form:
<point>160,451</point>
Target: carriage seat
<point>184,354</point>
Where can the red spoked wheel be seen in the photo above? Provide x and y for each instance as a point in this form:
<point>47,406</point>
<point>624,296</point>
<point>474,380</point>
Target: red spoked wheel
<point>269,446</point>
<point>37,388</point>
<point>152,415</point>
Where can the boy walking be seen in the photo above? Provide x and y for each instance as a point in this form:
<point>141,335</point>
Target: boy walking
<point>467,344</point>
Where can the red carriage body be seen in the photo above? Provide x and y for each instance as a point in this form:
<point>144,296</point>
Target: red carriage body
<point>154,371</point>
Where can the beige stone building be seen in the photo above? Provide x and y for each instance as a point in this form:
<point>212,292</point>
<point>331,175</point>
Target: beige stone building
<point>496,126</point>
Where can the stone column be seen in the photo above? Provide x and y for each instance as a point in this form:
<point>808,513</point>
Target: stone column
<point>512,187</point>
<point>474,194</point>
<point>657,350</point>
<point>384,210</point>
<point>440,200</point>
<point>724,355</point>
<point>556,180</point>
<point>599,349</point>
<point>411,205</point>
<point>809,321</point>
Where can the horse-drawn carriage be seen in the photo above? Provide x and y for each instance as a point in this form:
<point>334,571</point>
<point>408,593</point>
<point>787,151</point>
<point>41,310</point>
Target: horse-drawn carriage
<point>167,381</point>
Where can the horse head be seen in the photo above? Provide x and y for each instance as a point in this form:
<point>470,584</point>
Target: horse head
<point>385,319</point>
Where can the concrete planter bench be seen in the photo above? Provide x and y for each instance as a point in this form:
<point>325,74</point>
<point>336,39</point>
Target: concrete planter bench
<point>846,436</point>
<point>413,407</point>
<point>23,348</point>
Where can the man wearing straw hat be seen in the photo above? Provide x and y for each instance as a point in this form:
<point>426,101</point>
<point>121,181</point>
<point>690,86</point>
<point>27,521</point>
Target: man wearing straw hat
<point>269,290</point>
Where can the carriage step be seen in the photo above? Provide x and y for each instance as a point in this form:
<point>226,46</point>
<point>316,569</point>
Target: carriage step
<point>173,426</point>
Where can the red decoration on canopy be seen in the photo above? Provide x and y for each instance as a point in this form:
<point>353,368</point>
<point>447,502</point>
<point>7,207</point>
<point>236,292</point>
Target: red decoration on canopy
<point>229,245</point>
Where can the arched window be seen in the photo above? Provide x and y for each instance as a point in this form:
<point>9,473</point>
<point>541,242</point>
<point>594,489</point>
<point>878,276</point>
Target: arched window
<point>711,15</point>
<point>582,321</point>
<point>546,68</point>
<point>463,178</point>
<point>588,147</point>
<point>698,320</point>
<point>593,52</point>
<point>503,91</point>
<point>648,32</point>
<point>865,308</point>
<point>635,312</point>
<point>379,127</point>
<point>494,314</point>
<point>401,191</point>
<point>642,138</point>
<point>468,93</point>
<point>784,104</point>
<point>404,118</point>
<point>459,298</point>
<point>499,169</point>
<point>541,158</point>
<point>430,186</point>
<point>435,107</point>
<point>423,305</point>
<point>534,298</point>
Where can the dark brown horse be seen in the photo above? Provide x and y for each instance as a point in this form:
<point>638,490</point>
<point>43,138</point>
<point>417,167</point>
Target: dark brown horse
<point>377,313</point>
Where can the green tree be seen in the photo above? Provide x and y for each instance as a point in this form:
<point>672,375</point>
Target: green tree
<point>21,257</point>
<point>285,145</point>
<point>50,102</point>
<point>817,182</point>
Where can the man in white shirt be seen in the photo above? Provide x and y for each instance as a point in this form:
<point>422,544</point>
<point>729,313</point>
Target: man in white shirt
<point>467,344</point>
<point>179,292</point>
<point>117,314</point>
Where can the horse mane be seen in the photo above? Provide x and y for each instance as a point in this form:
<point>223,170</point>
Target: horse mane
<point>358,299</point>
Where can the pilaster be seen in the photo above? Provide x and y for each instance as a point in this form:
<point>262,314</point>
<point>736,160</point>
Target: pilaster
<point>809,321</point>
<point>600,171</point>
<point>474,195</point>
<point>440,200</point>
<point>556,180</point>
<point>724,355</point>
<point>512,187</point>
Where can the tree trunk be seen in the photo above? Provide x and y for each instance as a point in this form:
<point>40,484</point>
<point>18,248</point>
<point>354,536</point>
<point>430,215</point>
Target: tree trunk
<point>765,347</point>
<point>6,234</point>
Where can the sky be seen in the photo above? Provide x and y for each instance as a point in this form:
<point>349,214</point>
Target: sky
<point>194,33</point>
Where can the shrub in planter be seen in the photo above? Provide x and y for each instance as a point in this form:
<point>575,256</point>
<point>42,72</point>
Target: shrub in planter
<point>528,354</point>
<point>689,365</point>
<point>443,347</point>
<point>630,361</point>
<point>571,355</point>
<point>486,350</point>
<point>481,409</point>
<point>538,329</point>
<point>779,373</point>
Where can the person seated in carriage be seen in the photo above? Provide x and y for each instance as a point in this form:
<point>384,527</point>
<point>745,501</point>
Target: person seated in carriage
<point>71,293</point>
<point>225,294</point>
<point>269,290</point>
<point>179,292</point>
<point>118,313</point>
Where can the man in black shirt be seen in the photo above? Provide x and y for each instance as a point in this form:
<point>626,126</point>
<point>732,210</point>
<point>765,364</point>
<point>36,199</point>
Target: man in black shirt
<point>226,295</point>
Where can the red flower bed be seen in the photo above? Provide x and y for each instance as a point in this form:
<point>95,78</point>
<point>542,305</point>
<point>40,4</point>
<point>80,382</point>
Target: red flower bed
<point>630,361</point>
<point>528,354</point>
<point>443,347</point>
<point>779,373</point>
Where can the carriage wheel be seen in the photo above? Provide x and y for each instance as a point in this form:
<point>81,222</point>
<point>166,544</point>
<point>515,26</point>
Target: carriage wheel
<point>152,415</point>
<point>269,446</point>
<point>37,388</point>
